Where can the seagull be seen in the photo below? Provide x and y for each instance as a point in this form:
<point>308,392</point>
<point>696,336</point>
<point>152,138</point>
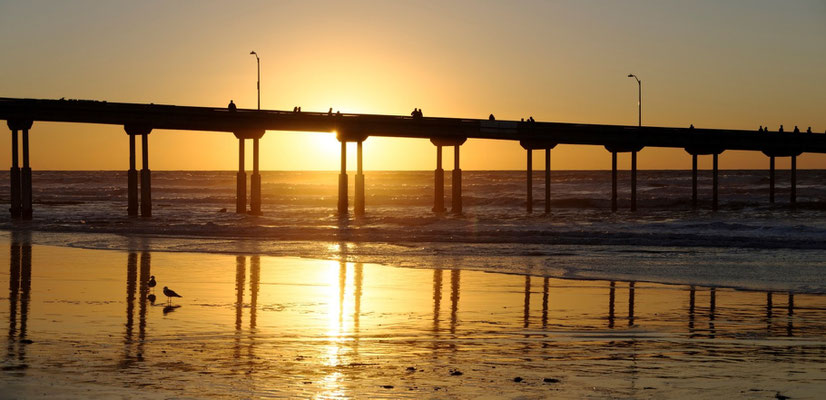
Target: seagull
<point>170,294</point>
<point>151,284</point>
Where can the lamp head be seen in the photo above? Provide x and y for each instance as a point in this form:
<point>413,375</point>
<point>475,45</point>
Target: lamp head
<point>253,52</point>
<point>630,75</point>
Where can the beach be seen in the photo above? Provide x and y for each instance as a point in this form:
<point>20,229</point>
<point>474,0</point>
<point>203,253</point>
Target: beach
<point>81,325</point>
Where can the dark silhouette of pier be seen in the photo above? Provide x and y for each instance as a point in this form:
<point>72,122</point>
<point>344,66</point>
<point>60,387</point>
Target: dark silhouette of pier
<point>141,119</point>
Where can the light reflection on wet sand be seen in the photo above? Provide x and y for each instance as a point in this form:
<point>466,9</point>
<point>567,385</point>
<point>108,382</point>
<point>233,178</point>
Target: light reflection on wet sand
<point>251,326</point>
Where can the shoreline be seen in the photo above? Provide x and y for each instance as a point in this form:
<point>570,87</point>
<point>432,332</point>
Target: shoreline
<point>553,261</point>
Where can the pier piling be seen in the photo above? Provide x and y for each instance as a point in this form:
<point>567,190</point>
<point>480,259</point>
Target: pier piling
<point>547,180</point>
<point>714,182</point>
<point>342,181</point>
<point>694,181</point>
<point>793,189</point>
<point>14,190</point>
<point>146,178</point>
<point>255,181</point>
<point>145,175</point>
<point>456,185</point>
<point>359,200</point>
<point>633,181</point>
<point>771,179</point>
<point>439,183</point>
<point>132,181</point>
<point>241,181</point>
<point>529,178</point>
<point>26,179</point>
<point>613,181</point>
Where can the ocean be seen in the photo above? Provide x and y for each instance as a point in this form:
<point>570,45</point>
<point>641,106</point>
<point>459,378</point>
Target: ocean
<point>748,244</point>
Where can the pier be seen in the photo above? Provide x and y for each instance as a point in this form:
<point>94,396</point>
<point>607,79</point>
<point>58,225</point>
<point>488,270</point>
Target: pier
<point>250,124</point>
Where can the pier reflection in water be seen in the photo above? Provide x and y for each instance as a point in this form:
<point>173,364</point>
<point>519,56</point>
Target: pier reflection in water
<point>20,285</point>
<point>340,328</point>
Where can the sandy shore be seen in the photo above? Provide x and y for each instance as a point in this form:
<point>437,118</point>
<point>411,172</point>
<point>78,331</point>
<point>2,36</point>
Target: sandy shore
<point>80,324</point>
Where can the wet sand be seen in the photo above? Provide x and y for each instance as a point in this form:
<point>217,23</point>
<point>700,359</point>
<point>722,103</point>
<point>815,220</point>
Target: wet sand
<point>80,325</point>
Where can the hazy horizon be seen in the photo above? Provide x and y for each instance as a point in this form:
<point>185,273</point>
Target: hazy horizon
<point>736,65</point>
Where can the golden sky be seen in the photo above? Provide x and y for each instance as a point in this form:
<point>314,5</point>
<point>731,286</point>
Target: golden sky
<point>733,64</point>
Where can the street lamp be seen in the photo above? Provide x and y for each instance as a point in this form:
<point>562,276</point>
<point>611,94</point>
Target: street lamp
<point>258,63</point>
<point>639,102</point>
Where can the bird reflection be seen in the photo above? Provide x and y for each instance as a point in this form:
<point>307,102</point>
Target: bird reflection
<point>169,308</point>
<point>20,283</point>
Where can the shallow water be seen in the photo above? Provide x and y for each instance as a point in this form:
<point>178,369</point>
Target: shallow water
<point>748,244</point>
<point>80,325</point>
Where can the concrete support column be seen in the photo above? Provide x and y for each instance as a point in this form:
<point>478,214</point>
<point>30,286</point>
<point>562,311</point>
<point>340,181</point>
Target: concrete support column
<point>714,182</point>
<point>771,179</point>
<point>342,181</point>
<point>792,192</point>
<point>614,181</point>
<point>694,181</point>
<point>146,178</point>
<point>26,175</point>
<point>359,200</point>
<point>241,181</point>
<point>255,181</point>
<point>439,183</point>
<point>547,181</point>
<point>529,178</point>
<point>132,181</point>
<point>633,181</point>
<point>14,178</point>
<point>456,186</point>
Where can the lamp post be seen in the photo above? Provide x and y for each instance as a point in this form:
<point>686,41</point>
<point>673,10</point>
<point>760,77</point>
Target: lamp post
<point>639,102</point>
<point>258,63</point>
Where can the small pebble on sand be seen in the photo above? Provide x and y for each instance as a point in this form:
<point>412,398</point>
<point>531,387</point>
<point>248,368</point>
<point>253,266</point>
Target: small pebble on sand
<point>550,380</point>
<point>518,379</point>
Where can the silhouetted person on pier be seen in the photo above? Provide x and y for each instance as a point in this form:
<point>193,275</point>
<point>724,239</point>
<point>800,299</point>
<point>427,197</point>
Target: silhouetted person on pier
<point>691,126</point>
<point>491,118</point>
<point>781,129</point>
<point>760,129</point>
<point>796,130</point>
<point>330,113</point>
<point>417,113</point>
<point>531,119</point>
<point>231,106</point>
<point>809,130</point>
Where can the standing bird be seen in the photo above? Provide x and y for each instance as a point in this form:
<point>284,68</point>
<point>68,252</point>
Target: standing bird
<point>169,294</point>
<point>151,284</point>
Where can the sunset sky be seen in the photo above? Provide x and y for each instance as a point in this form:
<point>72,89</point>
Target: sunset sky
<point>731,64</point>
